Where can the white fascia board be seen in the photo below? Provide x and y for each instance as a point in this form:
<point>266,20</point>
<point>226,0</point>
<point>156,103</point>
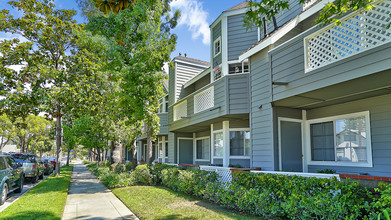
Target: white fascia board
<point>284,30</point>
<point>196,78</point>
<point>178,60</point>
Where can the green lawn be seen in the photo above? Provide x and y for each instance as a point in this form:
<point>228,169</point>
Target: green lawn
<point>45,201</point>
<point>151,202</point>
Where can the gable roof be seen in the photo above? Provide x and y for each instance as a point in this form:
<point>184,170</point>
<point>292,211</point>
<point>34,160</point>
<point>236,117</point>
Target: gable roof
<point>204,63</point>
<point>244,4</point>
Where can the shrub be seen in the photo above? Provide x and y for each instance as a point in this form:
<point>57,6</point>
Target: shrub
<point>129,166</point>
<point>381,204</point>
<point>120,168</point>
<point>142,175</point>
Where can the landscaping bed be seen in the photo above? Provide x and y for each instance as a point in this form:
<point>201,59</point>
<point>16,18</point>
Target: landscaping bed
<point>264,195</point>
<point>45,201</point>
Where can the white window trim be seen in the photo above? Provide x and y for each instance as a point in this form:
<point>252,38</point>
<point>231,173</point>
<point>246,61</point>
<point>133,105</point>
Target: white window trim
<point>238,156</point>
<point>195,147</point>
<point>213,144</point>
<point>307,124</point>
<point>214,48</point>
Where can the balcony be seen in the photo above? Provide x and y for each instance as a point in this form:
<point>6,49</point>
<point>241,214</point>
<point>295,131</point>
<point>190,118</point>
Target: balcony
<point>228,95</point>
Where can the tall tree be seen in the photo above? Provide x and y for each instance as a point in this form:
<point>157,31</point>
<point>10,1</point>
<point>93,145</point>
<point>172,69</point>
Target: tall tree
<point>7,131</point>
<point>140,42</point>
<point>60,69</point>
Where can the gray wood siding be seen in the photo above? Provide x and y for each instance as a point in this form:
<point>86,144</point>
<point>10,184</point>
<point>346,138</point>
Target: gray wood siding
<point>239,39</point>
<point>184,72</point>
<point>171,86</point>
<point>288,66</point>
<point>202,82</point>
<point>261,118</point>
<point>284,16</point>
<point>238,94</point>
<point>379,108</point>
<point>171,148</point>
<point>163,120</point>
<point>222,95</point>
<point>216,33</point>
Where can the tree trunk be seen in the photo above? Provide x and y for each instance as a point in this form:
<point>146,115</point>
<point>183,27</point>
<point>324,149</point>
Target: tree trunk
<point>69,151</point>
<point>149,144</point>
<point>58,140</point>
<point>116,155</point>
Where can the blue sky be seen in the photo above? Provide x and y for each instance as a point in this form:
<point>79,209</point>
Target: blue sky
<point>192,30</point>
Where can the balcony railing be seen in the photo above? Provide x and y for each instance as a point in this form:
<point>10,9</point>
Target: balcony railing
<point>359,31</point>
<point>204,100</point>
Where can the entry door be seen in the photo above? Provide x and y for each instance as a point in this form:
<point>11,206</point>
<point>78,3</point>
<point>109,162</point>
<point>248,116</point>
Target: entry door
<point>291,155</point>
<point>185,151</point>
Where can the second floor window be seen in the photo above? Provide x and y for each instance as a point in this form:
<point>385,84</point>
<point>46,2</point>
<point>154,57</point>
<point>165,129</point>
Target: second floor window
<point>217,46</point>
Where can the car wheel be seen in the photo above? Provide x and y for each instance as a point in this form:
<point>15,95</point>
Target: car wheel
<point>21,182</point>
<point>4,193</point>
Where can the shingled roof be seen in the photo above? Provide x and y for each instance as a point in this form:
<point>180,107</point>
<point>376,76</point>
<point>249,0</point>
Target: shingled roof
<point>193,60</point>
<point>239,6</point>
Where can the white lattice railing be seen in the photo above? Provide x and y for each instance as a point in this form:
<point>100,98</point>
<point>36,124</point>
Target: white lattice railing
<point>359,31</point>
<point>204,100</point>
<point>180,110</point>
<point>224,173</point>
<point>308,4</point>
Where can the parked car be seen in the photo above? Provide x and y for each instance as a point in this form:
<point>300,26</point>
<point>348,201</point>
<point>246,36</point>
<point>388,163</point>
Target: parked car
<point>53,160</point>
<point>48,166</point>
<point>12,177</point>
<point>32,167</point>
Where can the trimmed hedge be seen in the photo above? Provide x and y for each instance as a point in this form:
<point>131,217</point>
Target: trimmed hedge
<point>271,195</point>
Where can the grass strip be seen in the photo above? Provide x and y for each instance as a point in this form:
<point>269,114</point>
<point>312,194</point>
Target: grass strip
<point>44,201</point>
<point>154,202</point>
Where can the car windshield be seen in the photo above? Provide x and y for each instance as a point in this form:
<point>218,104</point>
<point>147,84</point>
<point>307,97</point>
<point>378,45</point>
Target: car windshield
<point>24,158</point>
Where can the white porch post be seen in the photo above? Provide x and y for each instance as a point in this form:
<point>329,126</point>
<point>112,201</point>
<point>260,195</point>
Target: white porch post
<point>212,144</point>
<point>164,149</point>
<point>194,147</point>
<point>226,143</point>
<point>304,141</point>
<point>139,149</point>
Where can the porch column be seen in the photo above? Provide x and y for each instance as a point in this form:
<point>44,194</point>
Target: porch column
<point>139,149</point>
<point>164,149</point>
<point>226,143</point>
<point>304,140</point>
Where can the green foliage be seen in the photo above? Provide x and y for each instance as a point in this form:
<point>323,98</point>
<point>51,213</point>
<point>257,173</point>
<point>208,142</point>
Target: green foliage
<point>381,205</point>
<point>7,130</point>
<point>143,175</point>
<point>112,179</point>
<point>329,171</point>
<point>329,14</point>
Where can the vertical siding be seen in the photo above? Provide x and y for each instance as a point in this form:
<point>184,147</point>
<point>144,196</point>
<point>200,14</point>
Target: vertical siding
<point>380,120</point>
<point>239,39</point>
<point>261,119</point>
<point>171,86</point>
<point>171,148</point>
<point>238,94</point>
<point>216,33</point>
<point>163,119</point>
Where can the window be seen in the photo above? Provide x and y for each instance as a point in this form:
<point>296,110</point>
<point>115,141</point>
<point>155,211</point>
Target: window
<point>239,143</point>
<point>166,149</point>
<point>217,46</point>
<point>218,144</point>
<point>160,150</point>
<point>236,68</point>
<point>343,140</point>
<point>202,149</point>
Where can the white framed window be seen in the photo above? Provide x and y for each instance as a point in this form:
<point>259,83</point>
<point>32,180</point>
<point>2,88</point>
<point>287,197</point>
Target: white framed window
<point>343,140</point>
<point>218,145</point>
<point>202,149</point>
<point>239,142</point>
<point>160,150</point>
<point>237,68</point>
<point>217,46</point>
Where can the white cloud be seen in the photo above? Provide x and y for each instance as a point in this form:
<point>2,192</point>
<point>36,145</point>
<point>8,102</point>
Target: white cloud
<point>193,16</point>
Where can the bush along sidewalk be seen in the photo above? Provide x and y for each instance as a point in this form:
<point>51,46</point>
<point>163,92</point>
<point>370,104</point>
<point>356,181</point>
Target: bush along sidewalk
<point>265,195</point>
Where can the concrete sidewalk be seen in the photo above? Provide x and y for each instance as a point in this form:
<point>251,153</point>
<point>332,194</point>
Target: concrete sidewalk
<point>90,199</point>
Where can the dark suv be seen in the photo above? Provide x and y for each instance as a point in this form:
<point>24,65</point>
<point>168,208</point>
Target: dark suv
<point>12,177</point>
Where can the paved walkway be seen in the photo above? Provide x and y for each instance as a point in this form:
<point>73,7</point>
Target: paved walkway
<point>90,199</point>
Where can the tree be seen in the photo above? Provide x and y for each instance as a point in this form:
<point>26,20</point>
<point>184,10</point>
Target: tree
<point>60,73</point>
<point>258,9</point>
<point>140,41</point>
<point>7,130</point>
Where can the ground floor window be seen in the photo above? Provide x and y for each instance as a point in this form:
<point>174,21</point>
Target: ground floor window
<point>166,149</point>
<point>202,148</point>
<point>239,142</point>
<point>218,145</point>
<point>160,149</point>
<point>341,139</point>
